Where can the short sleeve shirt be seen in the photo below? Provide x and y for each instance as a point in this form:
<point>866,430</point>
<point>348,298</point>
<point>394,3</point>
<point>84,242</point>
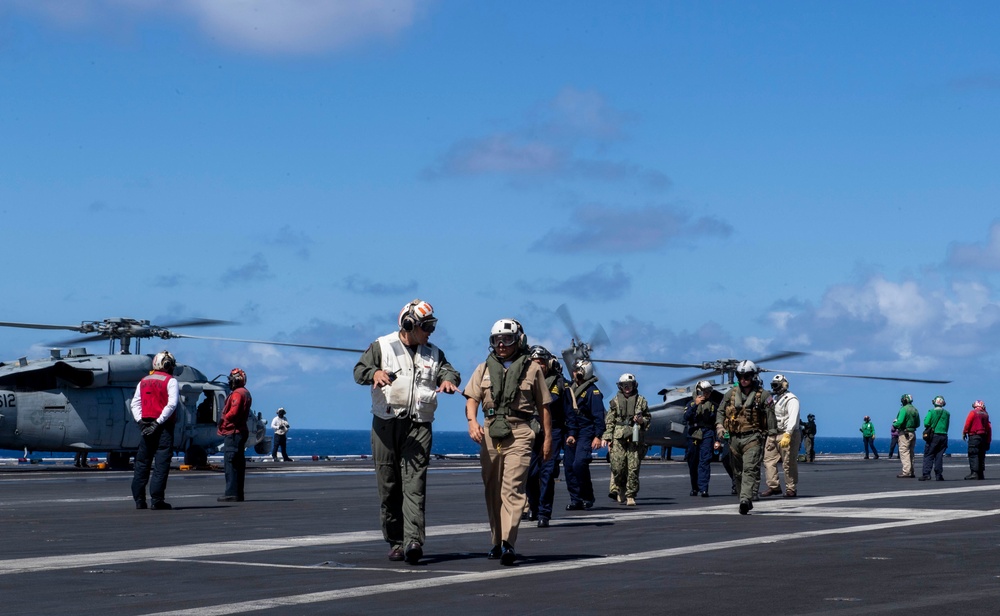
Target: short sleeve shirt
<point>532,392</point>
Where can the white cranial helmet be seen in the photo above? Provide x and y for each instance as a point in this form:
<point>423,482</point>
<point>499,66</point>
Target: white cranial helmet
<point>584,367</point>
<point>746,367</point>
<point>164,362</point>
<point>626,380</point>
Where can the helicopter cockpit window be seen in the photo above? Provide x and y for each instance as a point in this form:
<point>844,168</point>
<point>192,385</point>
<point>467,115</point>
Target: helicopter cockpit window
<point>206,409</point>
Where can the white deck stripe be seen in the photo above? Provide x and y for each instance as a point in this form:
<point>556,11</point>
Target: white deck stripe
<point>493,575</point>
<point>798,506</point>
<point>819,507</point>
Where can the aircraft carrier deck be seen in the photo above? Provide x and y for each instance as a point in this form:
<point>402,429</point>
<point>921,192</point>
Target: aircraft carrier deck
<point>857,540</point>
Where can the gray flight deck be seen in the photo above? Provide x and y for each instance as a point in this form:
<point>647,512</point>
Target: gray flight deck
<point>306,541</point>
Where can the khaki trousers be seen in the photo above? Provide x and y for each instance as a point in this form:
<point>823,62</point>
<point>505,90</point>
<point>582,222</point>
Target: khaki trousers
<point>789,458</point>
<point>906,441</point>
<point>505,472</point>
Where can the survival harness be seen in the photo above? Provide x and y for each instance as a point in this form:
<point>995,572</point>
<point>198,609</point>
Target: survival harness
<point>745,415</point>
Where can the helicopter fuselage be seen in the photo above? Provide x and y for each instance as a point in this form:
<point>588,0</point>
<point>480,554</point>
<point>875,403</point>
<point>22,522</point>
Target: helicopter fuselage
<point>81,402</point>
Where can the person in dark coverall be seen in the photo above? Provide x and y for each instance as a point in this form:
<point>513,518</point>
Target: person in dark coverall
<point>584,429</point>
<point>542,473</point>
<point>809,437</point>
<point>699,416</point>
<point>405,373</point>
<point>153,407</point>
<point>233,428</point>
<point>979,433</point>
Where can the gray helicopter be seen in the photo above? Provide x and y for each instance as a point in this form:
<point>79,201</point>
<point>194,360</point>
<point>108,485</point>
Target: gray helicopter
<point>667,428</point>
<point>77,401</point>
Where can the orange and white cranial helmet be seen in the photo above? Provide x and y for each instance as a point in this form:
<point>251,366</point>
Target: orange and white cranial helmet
<point>415,313</point>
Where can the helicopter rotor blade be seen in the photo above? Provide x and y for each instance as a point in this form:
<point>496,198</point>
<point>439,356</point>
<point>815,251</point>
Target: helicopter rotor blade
<point>81,339</point>
<point>698,377</point>
<point>197,323</point>
<point>72,328</point>
<point>657,364</point>
<point>780,355</point>
<point>271,342</point>
<point>563,313</point>
<point>860,376</point>
<point>599,338</point>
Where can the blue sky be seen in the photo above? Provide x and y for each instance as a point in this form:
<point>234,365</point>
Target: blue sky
<point>704,180</point>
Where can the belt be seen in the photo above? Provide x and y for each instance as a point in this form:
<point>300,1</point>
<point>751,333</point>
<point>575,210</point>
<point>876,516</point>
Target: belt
<point>517,414</point>
<point>744,433</point>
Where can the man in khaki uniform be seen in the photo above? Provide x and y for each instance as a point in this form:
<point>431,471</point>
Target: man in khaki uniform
<point>783,446</point>
<point>511,389</point>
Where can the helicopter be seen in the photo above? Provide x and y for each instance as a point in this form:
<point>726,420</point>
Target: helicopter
<point>78,401</point>
<point>666,427</point>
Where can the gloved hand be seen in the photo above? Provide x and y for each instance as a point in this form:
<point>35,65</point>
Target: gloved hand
<point>719,432</point>
<point>148,427</point>
<point>786,440</point>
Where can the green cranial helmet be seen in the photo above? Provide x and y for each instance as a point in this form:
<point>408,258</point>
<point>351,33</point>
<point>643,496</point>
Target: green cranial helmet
<point>938,401</point>
<point>906,399</point>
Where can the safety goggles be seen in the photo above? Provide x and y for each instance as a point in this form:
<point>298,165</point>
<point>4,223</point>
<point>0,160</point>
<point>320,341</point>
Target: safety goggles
<point>504,339</point>
<point>429,325</point>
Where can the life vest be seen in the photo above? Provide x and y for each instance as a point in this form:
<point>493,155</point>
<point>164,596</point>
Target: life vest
<point>784,423</point>
<point>153,395</point>
<point>745,414</point>
<point>414,389</point>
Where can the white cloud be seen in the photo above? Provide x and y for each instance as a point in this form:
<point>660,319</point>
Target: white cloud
<point>264,26</point>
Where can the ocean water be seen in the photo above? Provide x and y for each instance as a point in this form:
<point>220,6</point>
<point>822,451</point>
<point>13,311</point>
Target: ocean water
<point>325,443</point>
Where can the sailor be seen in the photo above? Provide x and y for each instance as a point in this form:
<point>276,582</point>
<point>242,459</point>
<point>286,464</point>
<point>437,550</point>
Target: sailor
<point>235,432</point>
<point>699,416</point>
<point>742,417</point>
<point>542,473</point>
<point>979,433</point>
<point>625,424</point>
<point>906,423</point>
<point>153,407</point>
<point>584,429</point>
<point>784,447</point>
<point>809,437</point>
<point>936,423</point>
<point>280,426</point>
<point>867,430</point>
<point>511,390</point>
<point>406,373</point>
